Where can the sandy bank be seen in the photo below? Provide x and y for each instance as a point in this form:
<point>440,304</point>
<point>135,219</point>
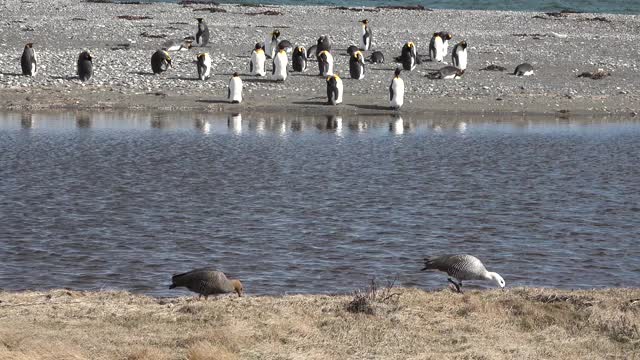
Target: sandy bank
<point>123,80</point>
<point>410,324</point>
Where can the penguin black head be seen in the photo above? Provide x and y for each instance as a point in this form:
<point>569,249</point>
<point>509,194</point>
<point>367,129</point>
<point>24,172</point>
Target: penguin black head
<point>364,22</point>
<point>301,49</point>
<point>29,45</point>
<point>235,74</point>
<point>446,35</point>
<point>275,34</point>
<point>436,34</point>
<point>86,56</point>
<point>259,46</point>
<point>199,20</point>
<point>397,72</point>
<point>463,44</point>
<point>281,47</point>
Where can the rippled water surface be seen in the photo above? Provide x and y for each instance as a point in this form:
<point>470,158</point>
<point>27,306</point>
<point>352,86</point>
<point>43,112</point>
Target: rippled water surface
<point>314,205</point>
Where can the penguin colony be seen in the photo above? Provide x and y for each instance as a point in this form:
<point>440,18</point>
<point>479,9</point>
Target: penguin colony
<point>279,52</point>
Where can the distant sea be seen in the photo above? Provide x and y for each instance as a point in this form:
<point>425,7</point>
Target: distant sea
<point>599,6</point>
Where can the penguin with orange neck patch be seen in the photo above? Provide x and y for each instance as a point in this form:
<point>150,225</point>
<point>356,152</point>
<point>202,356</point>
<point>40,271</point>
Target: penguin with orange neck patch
<point>299,59</point>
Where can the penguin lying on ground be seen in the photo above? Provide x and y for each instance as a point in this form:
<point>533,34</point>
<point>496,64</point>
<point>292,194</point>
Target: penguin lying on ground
<point>446,73</point>
<point>523,70</point>
<point>176,45</point>
<point>376,57</point>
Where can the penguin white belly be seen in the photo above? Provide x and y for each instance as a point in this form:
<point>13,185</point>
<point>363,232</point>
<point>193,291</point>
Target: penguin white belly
<point>280,67</point>
<point>328,70</point>
<point>207,67</point>
<point>450,76</point>
<point>34,69</point>
<point>235,89</point>
<point>397,98</point>
<point>527,73</point>
<point>270,47</point>
<point>257,61</point>
<point>462,60</point>
<point>439,47</point>
<point>340,90</point>
<point>445,48</point>
<point>365,41</point>
<point>361,73</point>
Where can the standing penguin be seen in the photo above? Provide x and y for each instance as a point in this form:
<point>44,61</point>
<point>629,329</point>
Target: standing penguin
<point>271,44</point>
<point>459,55</point>
<point>523,70</point>
<point>234,93</point>
<point>160,61</point>
<point>323,44</point>
<point>204,66</point>
<point>408,56</point>
<point>256,64</point>
<point>356,66</point>
<point>202,36</point>
<point>436,47</point>
<point>445,42</point>
<point>85,66</point>
<point>280,63</point>
<point>299,59</point>
<point>28,61</point>
<point>396,91</point>
<point>334,90</point>
<point>325,63</point>
<point>366,36</point>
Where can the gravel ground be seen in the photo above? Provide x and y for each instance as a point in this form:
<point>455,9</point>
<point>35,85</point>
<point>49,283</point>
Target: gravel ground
<point>560,48</point>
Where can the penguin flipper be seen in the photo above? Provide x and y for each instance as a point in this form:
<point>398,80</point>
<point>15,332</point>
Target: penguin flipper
<point>391,91</point>
<point>229,92</point>
<point>273,68</point>
<point>251,66</point>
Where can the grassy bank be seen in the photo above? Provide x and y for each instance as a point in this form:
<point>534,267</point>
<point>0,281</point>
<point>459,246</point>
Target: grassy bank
<point>398,323</point>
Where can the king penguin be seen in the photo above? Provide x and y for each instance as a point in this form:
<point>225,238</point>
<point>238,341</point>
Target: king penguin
<point>445,42</point>
<point>366,36</point>
<point>160,61</point>
<point>436,47</point>
<point>280,63</point>
<point>85,66</point>
<point>28,61</point>
<point>334,90</point>
<point>204,66</point>
<point>299,59</point>
<point>356,66</point>
<point>396,91</point>
<point>376,57</point>
<point>271,44</point>
<point>446,73</point>
<point>234,93</point>
<point>202,36</point>
<point>325,63</point>
<point>256,64</point>
<point>523,70</point>
<point>408,56</point>
<point>459,55</point>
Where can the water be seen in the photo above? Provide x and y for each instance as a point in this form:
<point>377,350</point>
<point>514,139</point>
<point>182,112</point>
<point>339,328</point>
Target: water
<point>601,6</point>
<point>314,205</point>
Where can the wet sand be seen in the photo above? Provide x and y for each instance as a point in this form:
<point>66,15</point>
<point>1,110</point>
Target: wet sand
<point>560,48</point>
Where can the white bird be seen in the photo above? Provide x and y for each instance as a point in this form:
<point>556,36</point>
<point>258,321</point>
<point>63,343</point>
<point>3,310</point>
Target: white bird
<point>459,55</point>
<point>462,267</point>
<point>280,63</point>
<point>235,89</point>
<point>396,91</point>
<point>256,64</point>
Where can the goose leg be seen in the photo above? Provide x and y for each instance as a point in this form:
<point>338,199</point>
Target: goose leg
<point>457,285</point>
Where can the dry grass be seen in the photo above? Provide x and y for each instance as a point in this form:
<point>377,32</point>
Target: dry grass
<point>514,324</point>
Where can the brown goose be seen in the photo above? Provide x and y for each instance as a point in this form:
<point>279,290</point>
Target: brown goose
<point>206,282</point>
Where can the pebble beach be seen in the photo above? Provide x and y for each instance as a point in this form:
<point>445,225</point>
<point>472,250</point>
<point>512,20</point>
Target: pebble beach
<point>122,38</point>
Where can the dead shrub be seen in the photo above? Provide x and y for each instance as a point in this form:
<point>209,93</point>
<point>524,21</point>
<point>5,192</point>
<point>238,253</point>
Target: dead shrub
<point>366,300</point>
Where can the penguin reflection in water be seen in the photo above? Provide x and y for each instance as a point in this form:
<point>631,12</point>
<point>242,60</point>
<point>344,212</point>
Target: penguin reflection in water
<point>28,61</point>
<point>85,66</point>
<point>334,90</point>
<point>160,61</point>
<point>204,66</point>
<point>234,94</point>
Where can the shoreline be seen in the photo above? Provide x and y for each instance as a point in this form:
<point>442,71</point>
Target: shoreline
<point>122,48</point>
<point>396,323</point>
